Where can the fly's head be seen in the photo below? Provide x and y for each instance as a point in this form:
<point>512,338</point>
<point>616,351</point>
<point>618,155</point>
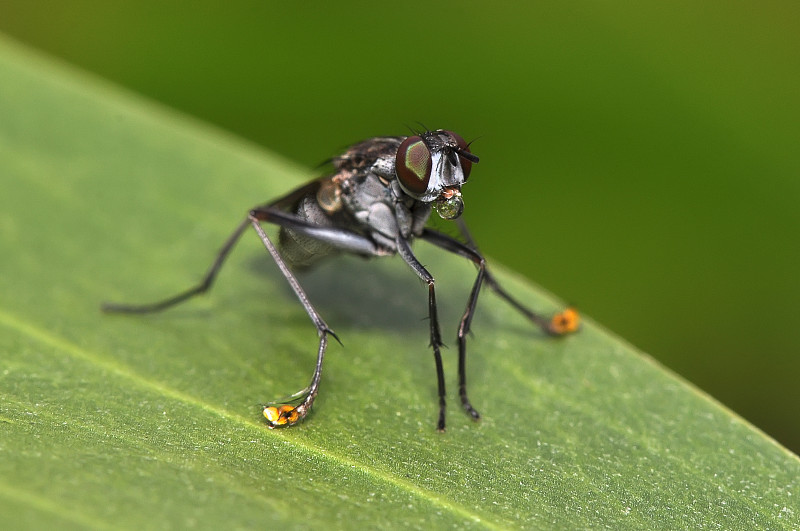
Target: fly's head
<point>432,166</point>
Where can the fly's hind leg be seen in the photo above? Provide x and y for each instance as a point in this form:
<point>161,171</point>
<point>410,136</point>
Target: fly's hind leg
<point>208,280</point>
<point>202,287</point>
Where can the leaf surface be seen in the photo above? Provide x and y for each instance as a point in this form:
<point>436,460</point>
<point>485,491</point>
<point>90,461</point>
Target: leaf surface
<point>131,422</point>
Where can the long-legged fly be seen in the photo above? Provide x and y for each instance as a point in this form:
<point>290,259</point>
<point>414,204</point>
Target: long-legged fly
<point>376,203</point>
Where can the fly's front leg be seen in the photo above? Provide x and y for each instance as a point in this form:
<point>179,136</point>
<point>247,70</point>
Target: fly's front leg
<point>405,252</point>
<point>454,246</point>
<point>564,322</point>
<point>297,406</point>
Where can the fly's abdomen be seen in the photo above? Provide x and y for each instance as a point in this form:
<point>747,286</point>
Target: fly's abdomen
<point>299,250</point>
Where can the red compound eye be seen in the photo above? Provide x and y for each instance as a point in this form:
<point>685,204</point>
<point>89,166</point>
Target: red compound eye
<point>413,165</point>
<point>463,147</point>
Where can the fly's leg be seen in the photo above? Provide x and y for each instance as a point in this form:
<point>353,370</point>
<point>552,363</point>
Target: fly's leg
<point>211,274</point>
<point>296,407</point>
<point>405,252</point>
<point>285,414</point>
<point>561,323</point>
<point>564,322</point>
<point>279,414</point>
<point>202,287</point>
<point>454,246</point>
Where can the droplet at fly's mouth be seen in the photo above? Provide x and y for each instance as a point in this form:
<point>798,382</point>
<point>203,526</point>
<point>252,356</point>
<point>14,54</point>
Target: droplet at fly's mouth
<point>449,204</point>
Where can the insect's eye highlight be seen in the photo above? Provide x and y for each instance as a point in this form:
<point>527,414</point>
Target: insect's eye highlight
<point>464,154</point>
<point>413,165</point>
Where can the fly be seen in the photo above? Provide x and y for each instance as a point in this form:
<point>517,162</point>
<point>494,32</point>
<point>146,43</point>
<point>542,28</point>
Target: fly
<point>375,204</point>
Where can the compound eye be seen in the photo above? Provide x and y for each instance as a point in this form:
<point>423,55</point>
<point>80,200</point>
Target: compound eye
<point>413,165</point>
<point>463,147</point>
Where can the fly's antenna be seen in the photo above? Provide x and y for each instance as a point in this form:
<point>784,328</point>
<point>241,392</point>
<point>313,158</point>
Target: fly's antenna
<point>472,157</point>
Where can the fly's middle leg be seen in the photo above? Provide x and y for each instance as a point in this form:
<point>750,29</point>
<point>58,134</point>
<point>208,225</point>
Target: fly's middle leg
<point>296,407</point>
<point>285,414</point>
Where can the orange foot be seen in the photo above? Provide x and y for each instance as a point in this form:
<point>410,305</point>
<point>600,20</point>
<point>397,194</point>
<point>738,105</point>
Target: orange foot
<point>564,322</point>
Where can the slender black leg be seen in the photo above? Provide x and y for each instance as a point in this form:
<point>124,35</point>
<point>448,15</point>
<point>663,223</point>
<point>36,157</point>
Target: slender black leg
<point>211,274</point>
<point>454,246</point>
<point>559,324</point>
<point>202,287</point>
<point>280,415</point>
<point>405,252</point>
<point>285,413</point>
<point>562,323</point>
<point>297,406</point>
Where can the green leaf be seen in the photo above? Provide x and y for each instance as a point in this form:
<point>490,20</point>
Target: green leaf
<point>153,421</point>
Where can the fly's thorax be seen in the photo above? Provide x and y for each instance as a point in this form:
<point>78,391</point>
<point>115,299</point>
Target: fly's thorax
<point>378,207</point>
<point>375,155</point>
<point>361,191</point>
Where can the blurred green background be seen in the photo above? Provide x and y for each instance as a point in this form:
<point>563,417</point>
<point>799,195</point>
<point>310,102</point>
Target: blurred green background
<point>640,160</point>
